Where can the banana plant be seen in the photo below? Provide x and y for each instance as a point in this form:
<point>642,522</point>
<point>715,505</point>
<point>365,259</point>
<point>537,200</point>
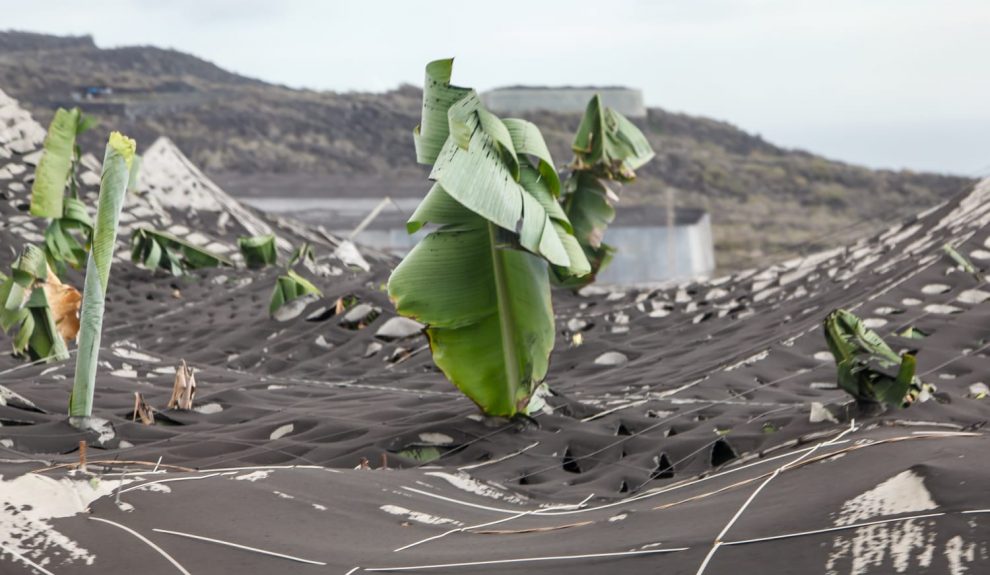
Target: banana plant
<point>117,164</point>
<point>157,249</point>
<point>55,192</point>
<point>607,148</point>
<point>292,285</point>
<point>39,306</point>
<point>258,251</point>
<point>868,369</point>
<point>479,281</point>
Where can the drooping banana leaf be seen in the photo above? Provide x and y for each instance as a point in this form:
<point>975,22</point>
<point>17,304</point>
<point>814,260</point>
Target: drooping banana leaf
<point>62,237</point>
<point>479,282</point>
<point>867,368</point>
<point>607,147</point>
<point>258,251</point>
<point>157,249</point>
<point>55,167</point>
<point>117,162</point>
<point>25,307</point>
<point>289,287</point>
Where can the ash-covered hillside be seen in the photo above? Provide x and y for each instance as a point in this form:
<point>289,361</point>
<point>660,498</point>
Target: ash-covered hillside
<point>767,202</point>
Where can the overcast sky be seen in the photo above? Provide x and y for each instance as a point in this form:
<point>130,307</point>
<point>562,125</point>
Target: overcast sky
<point>885,83</point>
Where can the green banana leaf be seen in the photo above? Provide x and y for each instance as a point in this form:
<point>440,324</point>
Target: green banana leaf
<point>55,167</point>
<point>487,308</point>
<point>867,368</point>
<point>62,237</point>
<point>289,287</point>
<point>25,308</point>
<point>157,249</point>
<point>117,163</point>
<point>258,251</point>
<point>479,282</point>
<point>609,143</point>
<point>305,255</point>
<point>607,147</point>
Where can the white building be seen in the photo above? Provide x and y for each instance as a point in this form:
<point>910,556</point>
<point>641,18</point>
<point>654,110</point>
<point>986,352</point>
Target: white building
<point>647,249</point>
<point>519,99</point>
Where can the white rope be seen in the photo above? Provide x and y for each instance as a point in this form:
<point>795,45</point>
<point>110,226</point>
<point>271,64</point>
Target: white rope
<point>529,559</point>
<point>239,546</point>
<point>749,500</point>
<point>146,540</point>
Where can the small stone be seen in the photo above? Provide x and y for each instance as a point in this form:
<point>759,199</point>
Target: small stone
<point>348,253</point>
<point>322,342</point>
<point>611,358</point>
<point>359,316</point>
<point>373,348</point>
<point>819,413</point>
<point>292,309</point>
<point>973,296</point>
<point>575,325</point>
<point>979,390</point>
<point>33,158</point>
<point>399,328</point>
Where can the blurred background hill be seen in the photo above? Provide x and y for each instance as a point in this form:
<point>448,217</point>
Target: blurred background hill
<point>260,139</point>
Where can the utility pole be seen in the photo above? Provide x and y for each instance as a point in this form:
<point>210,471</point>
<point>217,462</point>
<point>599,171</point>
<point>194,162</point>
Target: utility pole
<point>671,235</point>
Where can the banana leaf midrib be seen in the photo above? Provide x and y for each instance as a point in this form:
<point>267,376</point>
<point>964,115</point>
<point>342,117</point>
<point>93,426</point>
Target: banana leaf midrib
<point>506,324</point>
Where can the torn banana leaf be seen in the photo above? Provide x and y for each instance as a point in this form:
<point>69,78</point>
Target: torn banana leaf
<point>26,310</point>
<point>867,368</point>
<point>258,251</point>
<point>55,166</point>
<point>67,238</point>
<point>609,144</point>
<point>305,255</point>
<point>479,282</point>
<point>156,249</point>
<point>607,147</point>
<point>289,287</point>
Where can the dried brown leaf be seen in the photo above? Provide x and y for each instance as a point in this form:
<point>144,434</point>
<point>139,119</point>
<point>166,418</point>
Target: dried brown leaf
<point>64,302</point>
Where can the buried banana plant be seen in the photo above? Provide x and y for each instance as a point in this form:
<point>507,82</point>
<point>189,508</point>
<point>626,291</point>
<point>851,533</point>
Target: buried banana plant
<point>258,251</point>
<point>291,285</point>
<point>40,307</point>
<point>479,281</point>
<point>156,249</point>
<point>57,167</point>
<point>868,369</point>
<point>117,162</point>
<point>55,192</point>
<point>607,148</point>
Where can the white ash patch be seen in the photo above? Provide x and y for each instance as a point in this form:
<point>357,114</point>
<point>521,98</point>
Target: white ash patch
<point>958,553</point>
<point>281,431</point>
<point>934,289</point>
<point>29,502</point>
<point>749,360</point>
<point>942,309</point>
<point>254,475</point>
<point>433,438</point>
<point>464,482</point>
<point>973,296</point>
<point>154,487</point>
<point>127,350</point>
<point>904,544</point>
<point>208,408</point>
<point>418,516</point>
